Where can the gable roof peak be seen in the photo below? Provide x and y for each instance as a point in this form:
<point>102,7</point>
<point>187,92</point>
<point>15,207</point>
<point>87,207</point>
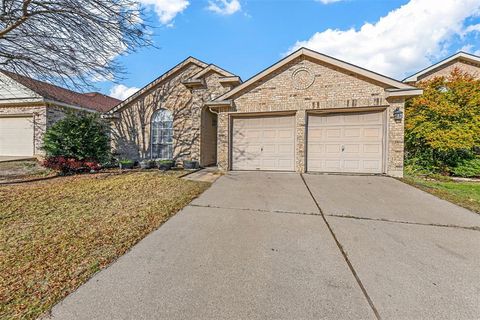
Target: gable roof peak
<point>458,55</point>
<point>187,61</point>
<point>390,82</point>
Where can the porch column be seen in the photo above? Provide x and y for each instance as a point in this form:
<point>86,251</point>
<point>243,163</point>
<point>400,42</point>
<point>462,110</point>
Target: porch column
<point>300,129</point>
<point>222,140</point>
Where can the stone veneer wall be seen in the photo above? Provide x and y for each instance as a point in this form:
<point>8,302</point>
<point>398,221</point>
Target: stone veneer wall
<point>131,131</point>
<point>39,118</point>
<point>445,70</point>
<point>304,85</point>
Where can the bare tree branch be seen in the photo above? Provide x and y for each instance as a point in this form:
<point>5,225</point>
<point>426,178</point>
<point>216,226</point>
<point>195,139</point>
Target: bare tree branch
<point>69,42</point>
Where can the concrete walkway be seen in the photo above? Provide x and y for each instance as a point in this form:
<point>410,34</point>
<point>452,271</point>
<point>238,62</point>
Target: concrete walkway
<point>15,158</point>
<point>285,246</point>
<point>209,174</point>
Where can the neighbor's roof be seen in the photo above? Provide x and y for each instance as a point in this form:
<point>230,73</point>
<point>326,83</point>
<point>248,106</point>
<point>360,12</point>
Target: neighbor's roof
<point>457,56</point>
<point>93,101</point>
<point>395,84</point>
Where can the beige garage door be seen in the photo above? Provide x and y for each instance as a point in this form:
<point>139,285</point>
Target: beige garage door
<point>348,142</point>
<point>16,136</point>
<point>263,143</point>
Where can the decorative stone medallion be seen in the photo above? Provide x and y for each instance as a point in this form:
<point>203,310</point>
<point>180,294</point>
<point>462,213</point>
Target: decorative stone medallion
<point>302,78</point>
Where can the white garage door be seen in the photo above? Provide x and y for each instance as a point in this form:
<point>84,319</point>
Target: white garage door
<point>348,142</point>
<point>263,143</point>
<point>16,136</point>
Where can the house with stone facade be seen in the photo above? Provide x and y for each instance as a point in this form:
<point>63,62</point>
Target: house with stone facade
<point>308,112</point>
<point>28,107</point>
<point>465,62</point>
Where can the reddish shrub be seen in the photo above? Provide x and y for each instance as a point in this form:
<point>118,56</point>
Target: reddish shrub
<point>92,165</point>
<point>70,165</point>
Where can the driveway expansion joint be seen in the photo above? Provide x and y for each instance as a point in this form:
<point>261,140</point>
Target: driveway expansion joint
<point>474,228</point>
<point>258,210</point>
<point>344,254</point>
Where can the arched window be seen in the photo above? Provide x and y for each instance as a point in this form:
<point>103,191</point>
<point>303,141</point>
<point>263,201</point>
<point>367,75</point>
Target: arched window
<point>162,134</point>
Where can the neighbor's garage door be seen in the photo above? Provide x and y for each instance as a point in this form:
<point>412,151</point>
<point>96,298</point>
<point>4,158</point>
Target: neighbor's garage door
<point>348,142</point>
<point>16,136</point>
<point>263,143</point>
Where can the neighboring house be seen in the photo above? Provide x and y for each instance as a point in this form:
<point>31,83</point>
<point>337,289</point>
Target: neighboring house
<point>462,61</point>
<point>308,112</point>
<point>28,107</point>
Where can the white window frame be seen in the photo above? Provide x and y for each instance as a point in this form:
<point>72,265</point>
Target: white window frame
<point>161,130</point>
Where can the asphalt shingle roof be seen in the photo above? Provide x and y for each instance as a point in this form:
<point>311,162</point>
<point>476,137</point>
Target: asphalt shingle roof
<point>93,100</point>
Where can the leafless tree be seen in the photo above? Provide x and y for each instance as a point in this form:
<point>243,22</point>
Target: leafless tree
<point>69,42</point>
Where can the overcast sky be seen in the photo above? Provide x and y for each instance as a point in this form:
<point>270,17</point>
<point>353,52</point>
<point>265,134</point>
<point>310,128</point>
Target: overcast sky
<point>392,37</point>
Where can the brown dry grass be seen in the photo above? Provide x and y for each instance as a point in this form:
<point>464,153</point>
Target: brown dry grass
<point>54,235</point>
<point>23,170</point>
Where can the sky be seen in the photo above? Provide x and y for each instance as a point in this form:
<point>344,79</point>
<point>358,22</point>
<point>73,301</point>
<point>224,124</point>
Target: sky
<point>393,37</point>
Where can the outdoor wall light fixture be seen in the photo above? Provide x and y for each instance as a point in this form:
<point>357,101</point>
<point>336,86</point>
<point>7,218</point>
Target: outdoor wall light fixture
<point>398,114</point>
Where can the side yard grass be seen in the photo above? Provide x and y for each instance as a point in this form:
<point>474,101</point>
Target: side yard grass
<point>55,234</point>
<point>465,194</point>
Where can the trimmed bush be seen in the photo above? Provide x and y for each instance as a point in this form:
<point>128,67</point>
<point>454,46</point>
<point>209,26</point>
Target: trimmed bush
<point>78,136</point>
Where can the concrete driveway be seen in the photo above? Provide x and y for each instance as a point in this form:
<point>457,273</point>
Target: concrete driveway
<point>262,245</point>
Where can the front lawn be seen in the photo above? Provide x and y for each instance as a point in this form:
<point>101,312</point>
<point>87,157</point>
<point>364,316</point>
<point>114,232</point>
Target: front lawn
<point>465,194</point>
<point>55,234</point>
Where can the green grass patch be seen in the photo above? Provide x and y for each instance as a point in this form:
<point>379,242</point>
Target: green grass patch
<point>55,234</point>
<point>465,194</point>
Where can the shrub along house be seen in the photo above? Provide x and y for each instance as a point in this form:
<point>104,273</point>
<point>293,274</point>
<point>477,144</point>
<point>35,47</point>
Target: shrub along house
<point>307,112</point>
<point>28,107</point>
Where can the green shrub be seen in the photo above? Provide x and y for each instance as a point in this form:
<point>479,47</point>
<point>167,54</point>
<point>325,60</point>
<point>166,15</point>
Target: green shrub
<point>468,169</point>
<point>126,162</point>
<point>80,136</point>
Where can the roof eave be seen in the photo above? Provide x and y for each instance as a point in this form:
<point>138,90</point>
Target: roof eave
<point>219,104</point>
<point>193,83</point>
<point>403,93</point>
<point>71,106</point>
<point>230,80</point>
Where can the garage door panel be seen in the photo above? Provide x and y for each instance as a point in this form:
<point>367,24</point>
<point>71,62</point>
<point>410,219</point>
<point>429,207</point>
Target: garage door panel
<point>372,133</point>
<point>333,133</point>
<point>372,148</point>
<point>352,165</point>
<point>16,136</point>
<point>352,148</point>
<point>333,149</point>
<point>274,142</point>
<point>372,164</point>
<point>286,134</point>
<point>352,132</point>
<point>269,149</point>
<point>345,142</point>
<point>315,134</point>
<point>334,165</point>
<point>287,149</point>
